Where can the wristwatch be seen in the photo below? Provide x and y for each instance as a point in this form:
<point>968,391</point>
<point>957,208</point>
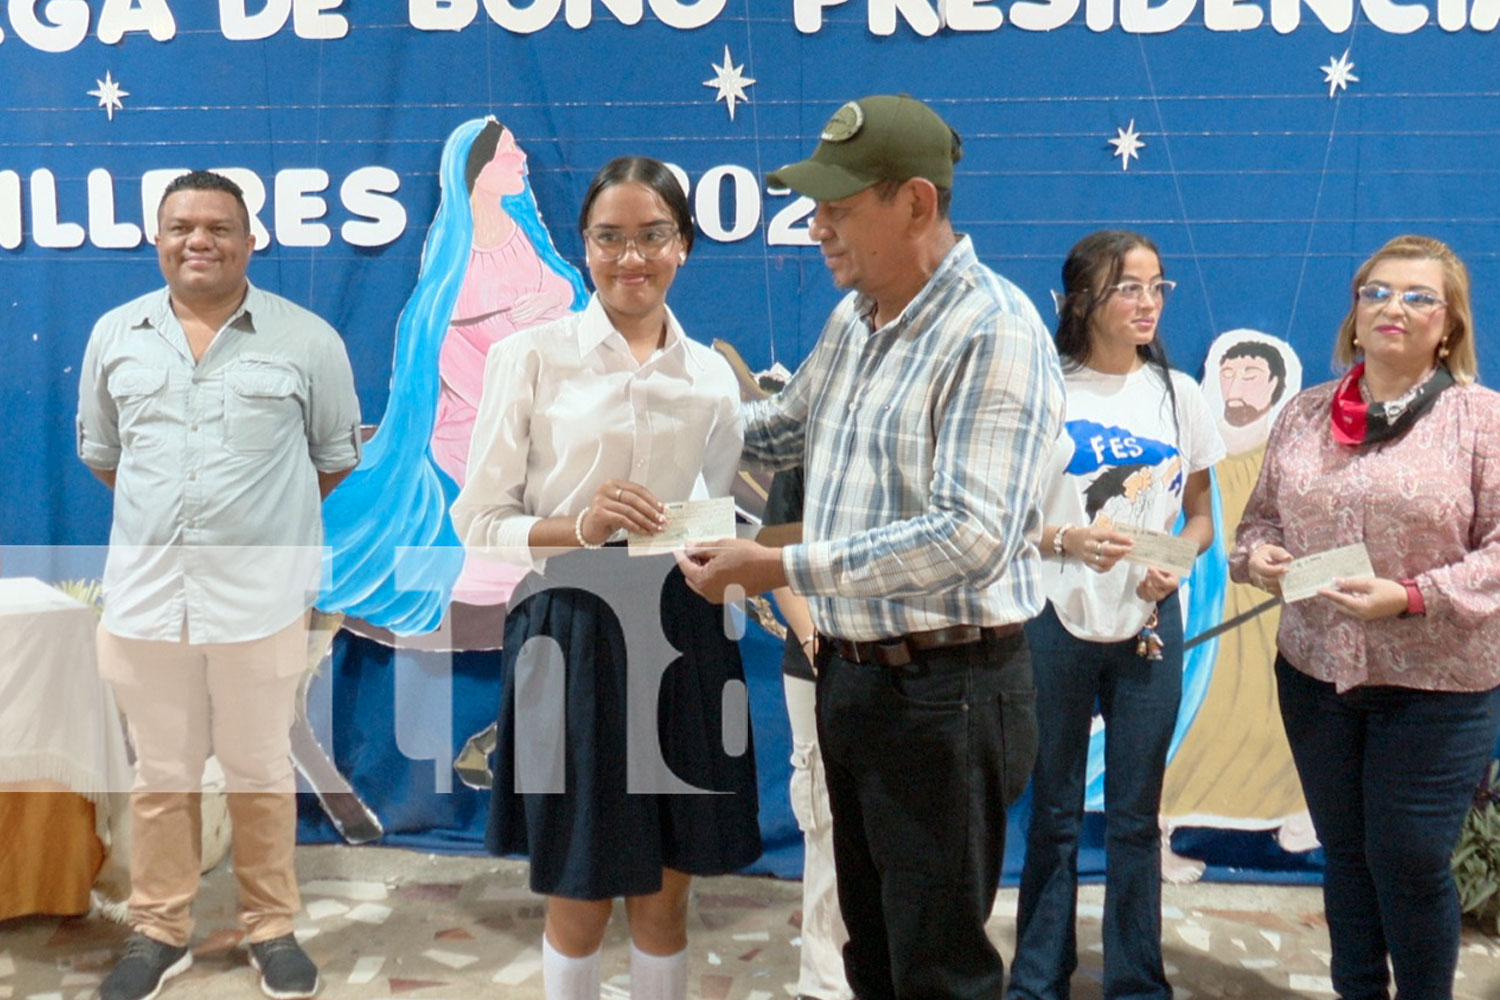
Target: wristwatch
<point>1414,603</point>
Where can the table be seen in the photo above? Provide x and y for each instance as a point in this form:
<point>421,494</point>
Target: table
<point>62,752</point>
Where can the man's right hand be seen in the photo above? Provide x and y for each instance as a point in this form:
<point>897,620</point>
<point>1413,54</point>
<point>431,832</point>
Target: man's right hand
<point>713,568</point>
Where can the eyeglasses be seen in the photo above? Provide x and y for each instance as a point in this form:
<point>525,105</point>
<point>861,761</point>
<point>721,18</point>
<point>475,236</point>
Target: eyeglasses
<point>1417,300</point>
<point>651,243</point>
<point>1131,291</point>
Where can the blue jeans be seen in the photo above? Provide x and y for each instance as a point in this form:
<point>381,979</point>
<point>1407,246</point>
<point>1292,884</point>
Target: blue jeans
<point>1389,773</point>
<point>921,763</point>
<point>1138,699</point>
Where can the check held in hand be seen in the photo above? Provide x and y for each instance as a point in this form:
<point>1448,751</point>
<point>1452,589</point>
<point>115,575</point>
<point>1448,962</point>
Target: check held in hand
<point>731,569</point>
<point>1159,550</point>
<point>1310,574</point>
<point>689,522</point>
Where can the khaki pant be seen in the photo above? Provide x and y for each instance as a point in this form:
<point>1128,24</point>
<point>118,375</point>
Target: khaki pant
<point>184,702</point>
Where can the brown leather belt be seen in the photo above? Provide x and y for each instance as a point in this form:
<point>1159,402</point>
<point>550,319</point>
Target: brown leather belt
<point>904,649</point>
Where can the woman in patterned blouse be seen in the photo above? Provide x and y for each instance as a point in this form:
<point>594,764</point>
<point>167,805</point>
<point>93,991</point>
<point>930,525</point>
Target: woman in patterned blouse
<point>1389,686</point>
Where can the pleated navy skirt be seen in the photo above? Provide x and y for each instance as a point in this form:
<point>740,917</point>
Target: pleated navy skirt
<point>587,836</point>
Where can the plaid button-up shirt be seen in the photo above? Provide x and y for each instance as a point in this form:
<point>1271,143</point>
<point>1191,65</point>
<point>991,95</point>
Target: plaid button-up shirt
<point>924,442</point>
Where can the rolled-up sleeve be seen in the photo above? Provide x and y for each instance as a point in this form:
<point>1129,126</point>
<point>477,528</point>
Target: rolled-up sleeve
<point>98,422</point>
<point>334,441</point>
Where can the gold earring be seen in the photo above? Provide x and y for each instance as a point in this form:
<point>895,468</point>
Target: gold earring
<point>1356,341</point>
<point>1443,348</point>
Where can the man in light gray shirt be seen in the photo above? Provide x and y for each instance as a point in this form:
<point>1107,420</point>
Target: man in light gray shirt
<point>220,415</point>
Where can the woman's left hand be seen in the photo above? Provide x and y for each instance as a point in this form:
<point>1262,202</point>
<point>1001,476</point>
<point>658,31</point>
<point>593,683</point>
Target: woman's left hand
<point>1367,599</point>
<point>1157,585</point>
<point>620,503</point>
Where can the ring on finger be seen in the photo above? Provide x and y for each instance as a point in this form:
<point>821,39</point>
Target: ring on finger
<point>619,492</point>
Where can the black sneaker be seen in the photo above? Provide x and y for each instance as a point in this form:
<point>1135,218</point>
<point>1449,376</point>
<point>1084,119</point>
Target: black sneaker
<point>145,966</point>
<point>286,973</point>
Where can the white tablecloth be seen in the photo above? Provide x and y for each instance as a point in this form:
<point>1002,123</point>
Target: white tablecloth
<point>58,720</point>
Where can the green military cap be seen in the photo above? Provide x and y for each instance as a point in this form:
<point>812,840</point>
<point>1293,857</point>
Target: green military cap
<point>881,138</point>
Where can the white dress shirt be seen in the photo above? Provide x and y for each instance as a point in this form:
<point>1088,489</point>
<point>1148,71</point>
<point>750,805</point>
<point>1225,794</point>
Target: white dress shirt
<point>566,407</point>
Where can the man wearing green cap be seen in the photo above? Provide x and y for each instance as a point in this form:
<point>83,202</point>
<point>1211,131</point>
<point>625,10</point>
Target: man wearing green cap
<point>924,412</point>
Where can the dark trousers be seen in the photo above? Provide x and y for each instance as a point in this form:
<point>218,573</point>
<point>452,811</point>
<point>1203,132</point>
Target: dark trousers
<point>1138,699</point>
<point>1389,774</point>
<point>922,762</point>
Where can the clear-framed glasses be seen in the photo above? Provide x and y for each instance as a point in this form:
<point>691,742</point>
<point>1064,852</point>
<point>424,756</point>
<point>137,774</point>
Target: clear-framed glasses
<point>651,243</point>
<point>1132,291</point>
<point>1416,300</point>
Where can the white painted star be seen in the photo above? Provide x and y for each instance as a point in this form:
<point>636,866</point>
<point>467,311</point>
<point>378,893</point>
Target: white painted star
<point>729,82</point>
<point>1127,142</point>
<point>110,93</point>
<point>1339,73</point>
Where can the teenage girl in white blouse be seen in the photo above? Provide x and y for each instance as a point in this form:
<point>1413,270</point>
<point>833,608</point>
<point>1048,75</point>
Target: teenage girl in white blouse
<point>587,426</point>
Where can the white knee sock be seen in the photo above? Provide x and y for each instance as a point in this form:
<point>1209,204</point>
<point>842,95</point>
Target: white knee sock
<point>658,977</point>
<point>566,978</point>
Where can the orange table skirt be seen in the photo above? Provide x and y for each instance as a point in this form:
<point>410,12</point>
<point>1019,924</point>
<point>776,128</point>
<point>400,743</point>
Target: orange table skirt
<point>49,852</point>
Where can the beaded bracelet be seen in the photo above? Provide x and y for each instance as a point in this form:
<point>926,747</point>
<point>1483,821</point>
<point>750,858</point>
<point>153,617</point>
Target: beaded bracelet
<point>1057,539</point>
<point>578,531</point>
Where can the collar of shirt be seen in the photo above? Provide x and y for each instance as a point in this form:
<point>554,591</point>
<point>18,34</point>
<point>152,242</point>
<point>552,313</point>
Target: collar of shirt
<point>953,268</point>
<point>159,316</point>
<point>595,331</point>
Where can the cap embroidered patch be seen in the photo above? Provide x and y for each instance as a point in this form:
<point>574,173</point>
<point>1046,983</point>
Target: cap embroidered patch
<point>845,123</point>
<point>883,137</point>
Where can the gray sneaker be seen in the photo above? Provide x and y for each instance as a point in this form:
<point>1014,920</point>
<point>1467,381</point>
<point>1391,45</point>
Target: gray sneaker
<point>286,973</point>
<point>145,966</point>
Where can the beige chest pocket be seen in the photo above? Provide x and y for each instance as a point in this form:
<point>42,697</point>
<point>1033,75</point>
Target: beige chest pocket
<point>261,408</point>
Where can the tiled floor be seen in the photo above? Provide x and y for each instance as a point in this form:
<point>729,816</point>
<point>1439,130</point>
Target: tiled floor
<point>396,923</point>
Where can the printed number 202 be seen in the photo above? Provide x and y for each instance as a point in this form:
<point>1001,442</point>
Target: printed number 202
<point>788,227</point>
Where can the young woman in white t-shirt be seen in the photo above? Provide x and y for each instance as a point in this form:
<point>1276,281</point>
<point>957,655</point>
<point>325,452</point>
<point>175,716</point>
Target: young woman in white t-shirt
<point>1135,450</point>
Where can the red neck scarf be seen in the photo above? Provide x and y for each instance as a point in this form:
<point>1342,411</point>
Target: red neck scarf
<point>1357,423</point>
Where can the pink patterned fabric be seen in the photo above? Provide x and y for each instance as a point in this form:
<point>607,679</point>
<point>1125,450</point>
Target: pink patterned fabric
<point>1427,506</point>
<point>496,281</point>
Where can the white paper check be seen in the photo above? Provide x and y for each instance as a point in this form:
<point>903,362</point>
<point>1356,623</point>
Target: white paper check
<point>1159,549</point>
<point>688,522</point>
<point>1311,573</point>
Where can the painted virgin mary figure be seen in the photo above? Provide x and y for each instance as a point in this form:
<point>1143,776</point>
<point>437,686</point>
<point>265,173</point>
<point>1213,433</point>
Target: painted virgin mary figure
<point>489,268</point>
